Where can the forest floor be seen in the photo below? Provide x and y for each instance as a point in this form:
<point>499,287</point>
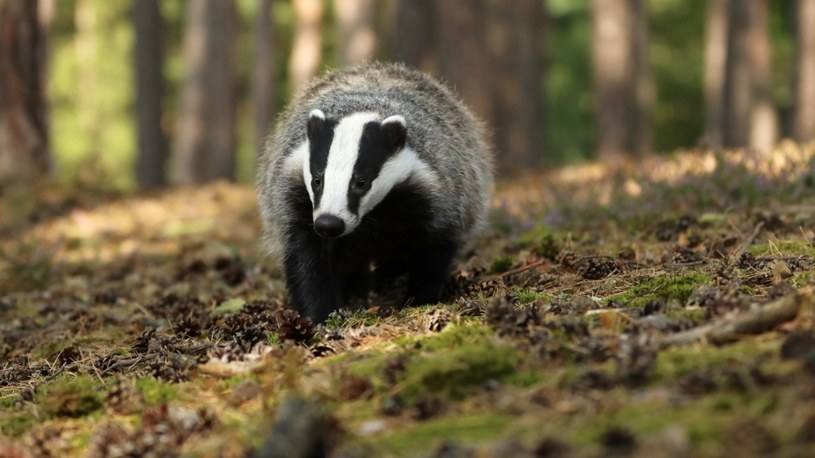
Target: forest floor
<point>658,309</point>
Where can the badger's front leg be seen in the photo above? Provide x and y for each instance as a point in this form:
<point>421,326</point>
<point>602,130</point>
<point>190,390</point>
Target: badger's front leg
<point>308,276</point>
<point>428,271</point>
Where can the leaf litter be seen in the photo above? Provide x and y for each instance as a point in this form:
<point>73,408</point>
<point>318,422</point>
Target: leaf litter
<point>665,307</point>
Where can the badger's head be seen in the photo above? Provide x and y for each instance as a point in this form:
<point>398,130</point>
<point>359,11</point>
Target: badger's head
<point>352,164</point>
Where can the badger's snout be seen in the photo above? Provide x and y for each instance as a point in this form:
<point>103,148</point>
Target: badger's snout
<point>329,226</point>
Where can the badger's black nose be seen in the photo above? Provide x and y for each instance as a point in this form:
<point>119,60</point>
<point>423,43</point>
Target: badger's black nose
<point>329,226</point>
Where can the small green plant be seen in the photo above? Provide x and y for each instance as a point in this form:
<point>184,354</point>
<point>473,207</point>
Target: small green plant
<point>501,264</point>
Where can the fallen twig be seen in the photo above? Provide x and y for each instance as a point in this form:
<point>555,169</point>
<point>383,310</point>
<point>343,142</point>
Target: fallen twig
<point>518,270</point>
<point>753,322</point>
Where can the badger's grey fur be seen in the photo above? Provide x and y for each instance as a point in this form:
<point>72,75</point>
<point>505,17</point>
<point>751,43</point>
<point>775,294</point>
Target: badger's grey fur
<point>391,170</point>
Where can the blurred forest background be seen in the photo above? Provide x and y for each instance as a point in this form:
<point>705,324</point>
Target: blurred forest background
<point>148,93</point>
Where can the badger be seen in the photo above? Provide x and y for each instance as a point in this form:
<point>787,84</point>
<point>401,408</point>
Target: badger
<point>372,172</point>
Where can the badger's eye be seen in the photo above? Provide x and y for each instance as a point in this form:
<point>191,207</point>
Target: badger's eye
<point>359,183</point>
<point>316,180</point>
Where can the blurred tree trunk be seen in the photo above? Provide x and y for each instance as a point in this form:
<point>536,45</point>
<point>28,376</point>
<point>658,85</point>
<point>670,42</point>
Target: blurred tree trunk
<point>763,116</point>
<point>355,20</point>
<point>463,59</point>
<point>24,147</point>
<point>642,85</point>
<point>515,46</point>
<point>613,79</point>
<point>205,142</point>
<point>715,68</point>
<point>151,157</point>
<point>263,72</point>
<point>738,82</point>
<point>413,39</point>
<point>803,115</point>
<point>306,51</point>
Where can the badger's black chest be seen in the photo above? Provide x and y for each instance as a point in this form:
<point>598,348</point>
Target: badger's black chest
<point>396,237</point>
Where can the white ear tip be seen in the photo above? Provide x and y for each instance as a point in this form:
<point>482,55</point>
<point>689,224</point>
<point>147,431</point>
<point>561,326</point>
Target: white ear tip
<point>316,114</point>
<point>395,119</point>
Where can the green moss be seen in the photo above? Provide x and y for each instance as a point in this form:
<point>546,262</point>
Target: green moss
<point>695,315</point>
<point>664,288</point>
<point>674,363</point>
<point>70,396</point>
<point>273,339</point>
<point>51,348</point>
<point>527,296</point>
<point>473,428</point>
<point>155,391</point>
<point>15,425</point>
<point>802,279</point>
<point>783,248</point>
<point>501,264</point>
<point>455,370</point>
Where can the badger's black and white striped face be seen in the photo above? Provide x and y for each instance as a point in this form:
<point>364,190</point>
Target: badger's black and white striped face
<point>351,164</point>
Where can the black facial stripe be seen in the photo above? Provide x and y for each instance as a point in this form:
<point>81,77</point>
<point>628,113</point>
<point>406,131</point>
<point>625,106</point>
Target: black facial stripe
<point>321,134</point>
<point>374,151</point>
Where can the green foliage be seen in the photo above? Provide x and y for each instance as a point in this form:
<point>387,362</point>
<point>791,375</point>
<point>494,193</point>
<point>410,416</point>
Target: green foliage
<point>92,93</point>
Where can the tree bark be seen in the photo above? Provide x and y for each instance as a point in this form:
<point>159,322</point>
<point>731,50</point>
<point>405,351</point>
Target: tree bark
<point>263,72</point>
<point>205,142</point>
<point>738,82</point>
<point>715,68</point>
<point>612,62</point>
<point>462,49</point>
<point>515,47</point>
<point>642,85</point>
<point>803,110</point>
<point>24,149</point>
<point>306,51</point>
<point>151,158</point>
<point>763,116</point>
<point>414,36</point>
<point>355,21</point>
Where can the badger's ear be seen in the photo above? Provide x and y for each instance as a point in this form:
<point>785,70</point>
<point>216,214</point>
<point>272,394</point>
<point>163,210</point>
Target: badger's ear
<point>395,131</point>
<point>316,118</point>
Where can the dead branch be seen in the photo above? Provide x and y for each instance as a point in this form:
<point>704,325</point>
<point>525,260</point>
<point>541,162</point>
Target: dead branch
<point>518,270</point>
<point>752,322</point>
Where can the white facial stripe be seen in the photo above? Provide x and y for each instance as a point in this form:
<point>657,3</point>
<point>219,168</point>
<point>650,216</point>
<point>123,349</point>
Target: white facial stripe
<point>403,166</point>
<point>297,162</point>
<point>341,159</point>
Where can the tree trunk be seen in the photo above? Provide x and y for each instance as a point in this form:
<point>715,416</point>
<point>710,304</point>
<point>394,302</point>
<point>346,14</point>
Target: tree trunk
<point>612,61</point>
<point>515,44</point>
<point>24,149</point>
<point>803,114</point>
<point>642,85</point>
<point>462,49</point>
<point>263,72</point>
<point>205,142</point>
<point>413,39</point>
<point>715,68</point>
<point>738,82</point>
<point>763,117</point>
<point>355,20</point>
<point>306,51</point>
<point>151,157</point>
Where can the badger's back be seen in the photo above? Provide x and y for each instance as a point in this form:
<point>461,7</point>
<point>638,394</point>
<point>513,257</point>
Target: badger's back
<point>441,130</point>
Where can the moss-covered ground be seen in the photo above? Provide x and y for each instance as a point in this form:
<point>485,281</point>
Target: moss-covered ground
<point>154,324</point>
